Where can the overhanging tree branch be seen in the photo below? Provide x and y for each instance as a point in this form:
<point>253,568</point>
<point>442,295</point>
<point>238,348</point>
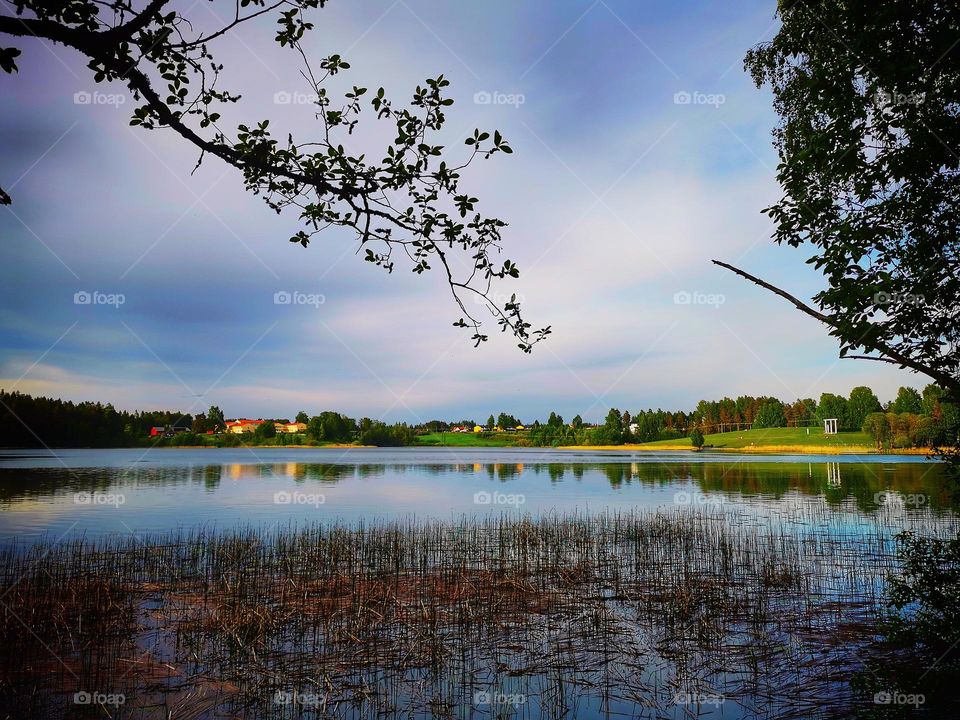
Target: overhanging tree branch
<point>890,354</point>
<point>407,200</point>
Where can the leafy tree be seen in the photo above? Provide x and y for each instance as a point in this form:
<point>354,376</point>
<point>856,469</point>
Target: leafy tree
<point>507,421</point>
<point>612,431</point>
<point>944,416</point>
<point>921,645</point>
<point>375,432</point>
<point>867,97</point>
<point>862,402</point>
<point>696,438</point>
<point>302,417</point>
<point>877,426</point>
<point>801,412</point>
<point>265,430</point>
<point>932,398</point>
<point>200,424</point>
<point>770,415</point>
<point>832,406</point>
<point>491,422</point>
<point>330,426</point>
<point>614,420</point>
<point>577,422</point>
<point>410,201</point>
<point>908,400</point>
<point>215,419</point>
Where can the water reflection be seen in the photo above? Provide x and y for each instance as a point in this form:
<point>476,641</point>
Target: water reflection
<point>835,482</point>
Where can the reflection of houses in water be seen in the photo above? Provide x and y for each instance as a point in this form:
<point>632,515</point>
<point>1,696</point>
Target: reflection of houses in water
<point>327,473</point>
<point>243,471</point>
<point>247,471</point>
<point>501,471</point>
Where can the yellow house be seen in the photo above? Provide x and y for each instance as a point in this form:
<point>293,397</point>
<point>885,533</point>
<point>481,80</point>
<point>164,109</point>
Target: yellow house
<point>519,427</point>
<point>238,427</point>
<point>290,428</point>
<point>477,429</point>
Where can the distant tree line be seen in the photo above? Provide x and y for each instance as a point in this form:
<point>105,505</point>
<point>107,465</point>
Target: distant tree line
<point>27,421</point>
<point>913,419</point>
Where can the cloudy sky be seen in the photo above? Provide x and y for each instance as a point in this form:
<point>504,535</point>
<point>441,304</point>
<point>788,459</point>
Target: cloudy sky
<point>617,197</point>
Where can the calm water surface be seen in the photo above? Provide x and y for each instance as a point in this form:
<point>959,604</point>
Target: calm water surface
<point>98,492</point>
<point>849,505</point>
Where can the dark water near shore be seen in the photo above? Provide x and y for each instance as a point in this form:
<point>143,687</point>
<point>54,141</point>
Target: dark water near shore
<point>100,492</point>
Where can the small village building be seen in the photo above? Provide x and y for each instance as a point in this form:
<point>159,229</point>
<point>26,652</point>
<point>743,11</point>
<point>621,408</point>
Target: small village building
<point>242,425</point>
<point>291,427</point>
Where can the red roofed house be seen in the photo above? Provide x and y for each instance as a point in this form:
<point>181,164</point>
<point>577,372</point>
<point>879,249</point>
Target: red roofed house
<point>240,426</point>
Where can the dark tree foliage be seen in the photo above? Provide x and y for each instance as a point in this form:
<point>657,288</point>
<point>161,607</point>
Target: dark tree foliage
<point>265,430</point>
<point>34,422</point>
<point>696,438</point>
<point>770,415</point>
<point>404,200</point>
<point>331,426</point>
<point>376,432</point>
<point>861,403</point>
<point>922,631</point>
<point>867,92</point>
<point>200,424</point>
<point>507,421</point>
<point>908,400</point>
<point>215,419</point>
<point>63,423</point>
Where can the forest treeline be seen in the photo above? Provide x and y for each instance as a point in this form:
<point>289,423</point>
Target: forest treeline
<point>912,419</point>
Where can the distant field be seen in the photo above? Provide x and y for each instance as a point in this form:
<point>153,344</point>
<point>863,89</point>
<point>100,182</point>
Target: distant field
<point>472,439</point>
<point>776,437</point>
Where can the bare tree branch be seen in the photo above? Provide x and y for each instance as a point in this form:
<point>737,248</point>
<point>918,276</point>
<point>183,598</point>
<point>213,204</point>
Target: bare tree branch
<point>891,355</point>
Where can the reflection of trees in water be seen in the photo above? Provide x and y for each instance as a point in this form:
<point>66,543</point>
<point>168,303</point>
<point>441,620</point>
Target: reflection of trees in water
<point>836,482</point>
<point>46,482</point>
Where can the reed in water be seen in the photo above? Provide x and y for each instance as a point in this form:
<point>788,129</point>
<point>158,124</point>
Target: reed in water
<point>636,614</point>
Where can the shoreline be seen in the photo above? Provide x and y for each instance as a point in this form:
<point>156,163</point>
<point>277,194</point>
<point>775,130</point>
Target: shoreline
<point>759,449</point>
<point>331,446</point>
<point>748,450</point>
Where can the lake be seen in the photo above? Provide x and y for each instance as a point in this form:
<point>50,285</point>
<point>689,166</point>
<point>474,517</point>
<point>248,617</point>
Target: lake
<point>97,492</point>
<point>450,582</point>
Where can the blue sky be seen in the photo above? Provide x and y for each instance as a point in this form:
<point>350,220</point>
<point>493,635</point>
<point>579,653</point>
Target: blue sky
<point>617,197</point>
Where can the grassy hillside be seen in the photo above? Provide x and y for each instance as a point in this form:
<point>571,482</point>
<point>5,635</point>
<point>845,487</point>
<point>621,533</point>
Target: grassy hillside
<point>472,439</point>
<point>776,437</point>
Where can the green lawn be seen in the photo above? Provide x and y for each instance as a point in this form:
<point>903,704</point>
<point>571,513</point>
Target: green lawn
<point>777,436</point>
<point>472,439</point>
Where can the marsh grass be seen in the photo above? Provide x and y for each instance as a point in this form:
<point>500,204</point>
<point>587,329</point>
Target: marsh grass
<point>559,616</point>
